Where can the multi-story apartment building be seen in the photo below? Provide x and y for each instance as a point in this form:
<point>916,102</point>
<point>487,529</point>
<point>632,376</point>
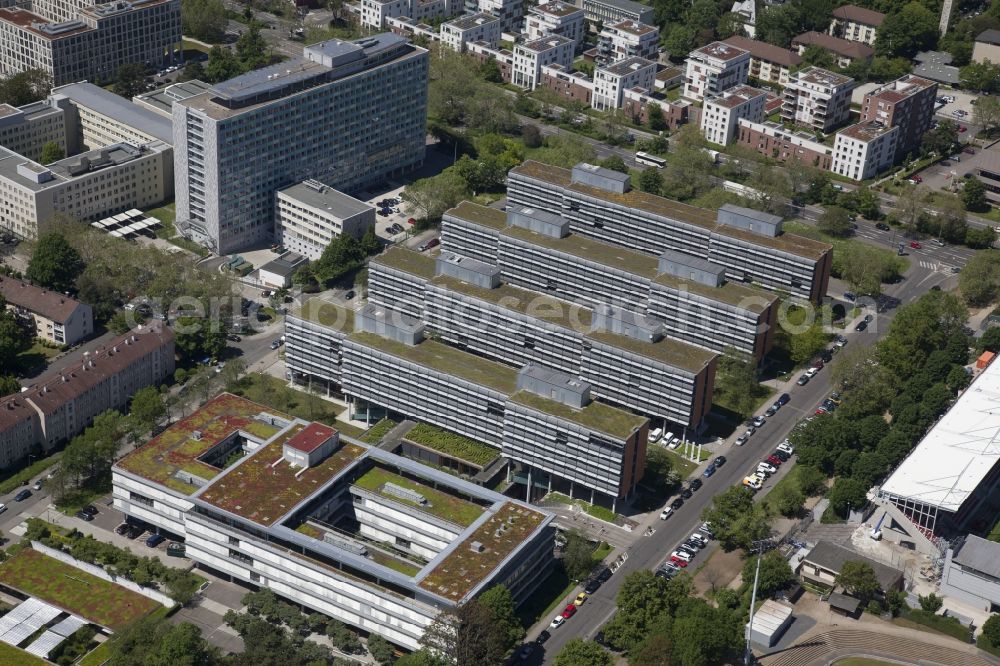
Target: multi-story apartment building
<point>377,541</point>
<point>80,42</point>
<point>53,316</point>
<point>768,63</point>
<point>611,81</point>
<point>613,11</point>
<point>863,150</point>
<point>347,113</point>
<point>714,68</point>
<point>479,27</point>
<point>375,14</point>
<point>752,248</point>
<point>530,57</point>
<point>510,12</point>
<point>555,18</point>
<point>60,404</point>
<point>470,395</point>
<point>625,39</point>
<point>845,52</point>
<point>568,83</point>
<point>906,103</point>
<point>720,114</point>
<point>817,98</point>
<point>775,141</point>
<point>638,102</point>
<point>856,24</point>
<point>309,215</point>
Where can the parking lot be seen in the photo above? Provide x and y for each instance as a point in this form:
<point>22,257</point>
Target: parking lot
<point>397,216</point>
<point>944,173</point>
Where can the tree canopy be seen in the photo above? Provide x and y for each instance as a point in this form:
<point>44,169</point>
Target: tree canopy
<point>578,652</point>
<point>736,519</point>
<point>55,263</point>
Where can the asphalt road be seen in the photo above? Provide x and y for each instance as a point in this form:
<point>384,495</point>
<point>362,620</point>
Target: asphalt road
<point>649,552</point>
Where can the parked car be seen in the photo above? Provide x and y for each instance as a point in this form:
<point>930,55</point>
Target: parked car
<point>882,226</point>
<point>135,531</point>
<point>706,529</point>
<point>434,242</point>
<point>688,548</point>
<point>962,128</point>
<point>803,380</point>
<point>753,482</point>
<point>3,507</point>
<point>542,637</point>
<point>742,439</point>
<point>349,295</point>
<point>580,599</point>
<point>694,484</point>
<point>122,529</point>
<point>686,493</point>
<point>719,461</point>
<point>695,543</point>
<point>155,540</point>
<point>811,372</point>
<point>37,486</point>
<point>592,586</point>
<point>234,338</point>
<point>783,399</point>
<point>90,509</point>
<point>774,460</point>
<point>666,513</point>
<point>569,611</point>
<point>862,325</point>
<point>275,344</point>
<point>23,495</point>
<point>772,410</point>
<point>677,503</point>
<point>758,421</point>
<point>783,456</point>
<point>604,575</point>
<point>681,556</point>
<point>709,471</point>
<point>850,296</point>
<point>969,150</point>
<point>787,447</point>
<point>557,622</point>
<point>655,434</point>
<point>83,515</point>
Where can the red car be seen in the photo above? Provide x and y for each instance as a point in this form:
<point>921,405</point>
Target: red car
<point>820,411</point>
<point>969,150</point>
<point>569,611</point>
<point>915,245</point>
<point>917,178</point>
<point>774,460</point>
<point>678,561</point>
<point>963,128</point>
<point>411,221</point>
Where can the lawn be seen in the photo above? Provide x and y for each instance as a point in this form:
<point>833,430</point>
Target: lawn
<point>682,465</point>
<point>276,393</point>
<point>375,434</point>
<point>12,656</point>
<point>790,480</point>
<point>452,444</point>
<point>166,215</point>
<point>75,590</point>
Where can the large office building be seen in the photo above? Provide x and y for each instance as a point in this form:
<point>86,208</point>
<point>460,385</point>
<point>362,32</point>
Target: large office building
<point>346,113</point>
<point>374,540</point>
<point>88,41</point>
<point>310,215</point>
<point>906,103</point>
<point>119,158</point>
<point>750,246</point>
<point>62,403</point>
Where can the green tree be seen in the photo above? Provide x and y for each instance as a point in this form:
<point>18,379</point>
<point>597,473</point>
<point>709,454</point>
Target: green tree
<point>531,136</point>
<point>467,635</point>
<point>615,163</point>
<point>987,114</point>
<point>835,221</point>
<point>197,337</point>
<point>370,244</point>
<point>55,264</point>
<point>8,383</point>
<point>859,579</point>
<point>578,652</point>
<point>204,20</point>
<point>501,604</point>
<point>419,658</point>
<point>251,48</point>
<point>904,32</point>
<point>931,603</point>
<point>867,203</point>
<point>15,339</point>
<point>817,56</point>
<point>651,180</point>
<point>222,65</point>
<point>382,652</point>
<point>25,87</point>
<point>991,630</point>
<point>736,520</point>
<point>578,555</point>
<point>812,481</point>
<point>431,197</point>
<point>974,196</point>
<point>51,152</point>
<point>155,642</point>
<point>703,636</point>
<point>788,500</point>
<point>736,384</point>
<point>980,237</point>
<point>147,407</point>
<point>847,493</point>
<point>687,174</point>
<point>129,80</point>
<point>644,602</point>
<point>654,117</point>
<point>941,139</point>
<point>775,573</point>
<point>981,76</point>
<point>193,69</point>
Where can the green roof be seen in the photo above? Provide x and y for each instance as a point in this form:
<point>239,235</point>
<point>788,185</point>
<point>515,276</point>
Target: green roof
<point>595,416</point>
<point>464,568</point>
<point>409,261</point>
<point>441,504</point>
<point>484,215</point>
<point>667,350</point>
<point>650,203</point>
<point>524,301</point>
<point>614,256</point>
<point>731,293</point>
<point>449,360</point>
<point>325,313</point>
<point>176,448</point>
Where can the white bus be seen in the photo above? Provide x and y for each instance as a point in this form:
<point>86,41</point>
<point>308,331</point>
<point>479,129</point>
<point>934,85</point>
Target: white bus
<point>650,160</point>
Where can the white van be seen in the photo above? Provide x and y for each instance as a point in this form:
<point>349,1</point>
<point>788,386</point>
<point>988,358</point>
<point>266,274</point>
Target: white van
<point>655,434</point>
<point>671,440</point>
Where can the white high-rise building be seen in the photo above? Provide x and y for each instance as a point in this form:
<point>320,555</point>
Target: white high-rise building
<point>347,114</point>
<point>714,68</point>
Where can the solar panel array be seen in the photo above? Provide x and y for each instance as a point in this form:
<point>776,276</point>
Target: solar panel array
<point>126,224</point>
<point>68,626</point>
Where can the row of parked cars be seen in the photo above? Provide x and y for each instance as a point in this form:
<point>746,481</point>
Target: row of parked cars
<point>768,466</point>
<point>685,552</point>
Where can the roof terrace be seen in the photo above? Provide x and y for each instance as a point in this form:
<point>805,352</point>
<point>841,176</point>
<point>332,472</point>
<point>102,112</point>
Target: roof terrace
<point>594,416</point>
<point>439,504</point>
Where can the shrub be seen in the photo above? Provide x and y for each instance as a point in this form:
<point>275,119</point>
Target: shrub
<point>931,603</point>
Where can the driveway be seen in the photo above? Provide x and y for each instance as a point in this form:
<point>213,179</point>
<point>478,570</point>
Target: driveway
<point>940,177</point>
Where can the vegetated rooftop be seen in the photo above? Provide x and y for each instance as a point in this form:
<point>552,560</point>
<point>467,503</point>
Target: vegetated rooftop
<point>732,293</point>
<point>177,448</point>
<point>325,313</point>
<point>484,215</point>
<point>264,487</point>
<point>94,599</point>
<point>410,261</point>
<point>594,416</point>
<point>449,360</point>
<point>452,444</point>
<point>615,256</point>
<point>464,568</point>
<point>440,504</point>
<point>532,303</point>
<point>667,350</point>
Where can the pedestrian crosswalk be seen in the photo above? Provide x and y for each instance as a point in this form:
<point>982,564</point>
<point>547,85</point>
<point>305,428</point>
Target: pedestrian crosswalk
<point>935,266</point>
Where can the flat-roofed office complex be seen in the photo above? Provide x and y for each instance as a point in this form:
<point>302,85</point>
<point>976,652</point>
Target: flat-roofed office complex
<point>346,113</point>
<point>751,246</point>
<point>377,541</point>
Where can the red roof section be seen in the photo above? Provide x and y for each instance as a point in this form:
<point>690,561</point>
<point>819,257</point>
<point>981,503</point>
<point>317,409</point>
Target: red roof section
<point>311,437</point>
<point>859,15</point>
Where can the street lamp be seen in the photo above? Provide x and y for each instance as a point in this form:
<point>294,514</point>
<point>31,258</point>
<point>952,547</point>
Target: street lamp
<point>758,548</point>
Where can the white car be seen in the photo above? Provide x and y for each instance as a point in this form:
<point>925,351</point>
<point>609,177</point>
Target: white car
<point>786,447</point>
<point>557,622</point>
<point>682,555</point>
<point>3,507</point>
<point>700,538</point>
<point>758,421</point>
<point>742,439</point>
<point>767,467</point>
<point>655,434</point>
<point>666,513</point>
<point>754,482</point>
<point>811,372</point>
<point>672,440</point>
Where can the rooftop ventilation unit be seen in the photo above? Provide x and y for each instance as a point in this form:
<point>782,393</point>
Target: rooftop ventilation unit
<point>345,544</point>
<point>405,493</point>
